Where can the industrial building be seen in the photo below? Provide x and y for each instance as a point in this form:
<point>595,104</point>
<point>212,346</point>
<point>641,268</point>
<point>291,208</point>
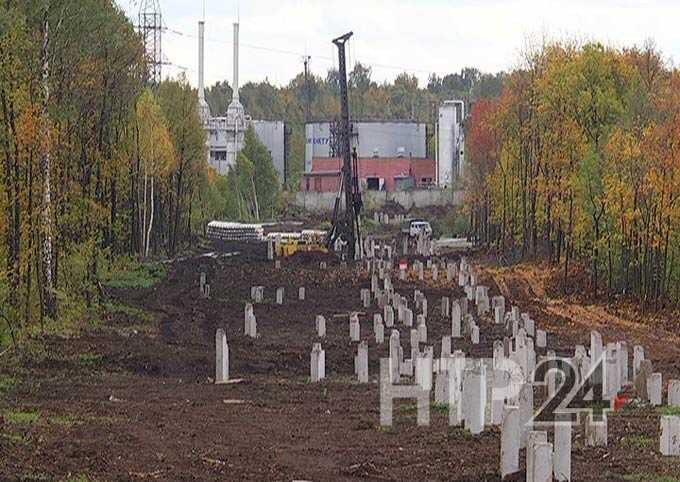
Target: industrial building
<point>371,139</point>
<point>374,173</point>
<point>226,134</point>
<point>276,136</point>
<point>391,155</point>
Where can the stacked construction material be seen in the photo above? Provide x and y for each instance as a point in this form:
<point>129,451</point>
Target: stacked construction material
<point>226,231</point>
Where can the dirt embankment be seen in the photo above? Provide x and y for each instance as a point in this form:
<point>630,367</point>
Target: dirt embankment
<point>532,287</point>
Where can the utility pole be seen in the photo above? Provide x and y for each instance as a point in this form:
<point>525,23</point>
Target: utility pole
<point>348,228</point>
<point>308,97</point>
<point>151,29</point>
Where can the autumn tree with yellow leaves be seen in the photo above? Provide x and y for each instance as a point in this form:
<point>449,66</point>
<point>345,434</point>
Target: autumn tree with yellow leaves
<point>585,167</point>
<point>156,157</point>
<point>93,165</point>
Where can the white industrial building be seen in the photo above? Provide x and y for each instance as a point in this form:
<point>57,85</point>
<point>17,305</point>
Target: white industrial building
<point>392,140</point>
<point>451,140</point>
<point>383,139</point>
<point>226,134</point>
<point>275,134</point>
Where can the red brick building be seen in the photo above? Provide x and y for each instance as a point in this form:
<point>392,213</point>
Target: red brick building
<point>375,173</point>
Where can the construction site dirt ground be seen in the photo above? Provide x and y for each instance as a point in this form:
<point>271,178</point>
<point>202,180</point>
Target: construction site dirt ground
<point>133,398</point>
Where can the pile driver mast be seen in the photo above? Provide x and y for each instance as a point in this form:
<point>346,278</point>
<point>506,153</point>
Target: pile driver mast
<point>347,228</point>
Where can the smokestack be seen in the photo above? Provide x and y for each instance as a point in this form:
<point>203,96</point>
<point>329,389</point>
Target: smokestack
<point>201,60</point>
<point>235,86</point>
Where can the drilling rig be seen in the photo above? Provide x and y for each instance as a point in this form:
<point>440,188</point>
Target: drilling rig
<point>345,232</point>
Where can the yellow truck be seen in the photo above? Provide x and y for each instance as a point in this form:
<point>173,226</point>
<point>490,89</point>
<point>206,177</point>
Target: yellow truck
<point>287,244</point>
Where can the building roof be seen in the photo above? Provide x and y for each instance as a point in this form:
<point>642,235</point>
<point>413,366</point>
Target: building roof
<point>368,121</point>
<point>379,158</point>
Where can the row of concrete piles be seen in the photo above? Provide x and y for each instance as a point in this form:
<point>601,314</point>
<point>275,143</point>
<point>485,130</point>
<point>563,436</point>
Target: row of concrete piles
<point>385,218</point>
<point>481,393</point>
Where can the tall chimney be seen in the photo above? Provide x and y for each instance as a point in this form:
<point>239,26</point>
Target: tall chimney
<point>235,86</point>
<point>201,60</point>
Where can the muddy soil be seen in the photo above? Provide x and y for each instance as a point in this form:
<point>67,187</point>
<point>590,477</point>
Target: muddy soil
<point>133,399</point>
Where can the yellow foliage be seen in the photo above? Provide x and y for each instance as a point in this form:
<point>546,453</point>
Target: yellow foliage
<point>588,152</point>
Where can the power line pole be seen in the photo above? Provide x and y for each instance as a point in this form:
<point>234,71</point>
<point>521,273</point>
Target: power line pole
<point>308,96</point>
<point>151,28</point>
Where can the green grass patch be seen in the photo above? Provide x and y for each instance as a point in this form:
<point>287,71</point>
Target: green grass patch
<point>460,432</point>
<point>5,336</point>
<point>18,416</point>
<point>413,408</point>
<point>671,411</point>
<point>650,478</point>
<point>134,276</point>
<point>7,383</point>
<point>90,359</point>
<point>637,441</point>
<point>407,408</point>
<point>454,223</point>
<point>440,407</point>
<point>129,311</point>
<point>64,420</point>
<point>13,437</point>
<point>369,226</point>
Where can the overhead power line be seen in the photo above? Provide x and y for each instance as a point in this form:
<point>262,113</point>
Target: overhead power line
<point>332,60</point>
<point>250,46</point>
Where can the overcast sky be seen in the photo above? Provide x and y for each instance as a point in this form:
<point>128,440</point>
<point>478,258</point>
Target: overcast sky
<point>418,36</point>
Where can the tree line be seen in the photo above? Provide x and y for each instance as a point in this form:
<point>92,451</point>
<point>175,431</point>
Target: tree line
<point>96,164</point>
<point>578,161</point>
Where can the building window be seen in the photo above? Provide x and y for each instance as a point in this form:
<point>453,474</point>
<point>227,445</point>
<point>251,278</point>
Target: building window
<point>373,183</point>
<point>218,155</point>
